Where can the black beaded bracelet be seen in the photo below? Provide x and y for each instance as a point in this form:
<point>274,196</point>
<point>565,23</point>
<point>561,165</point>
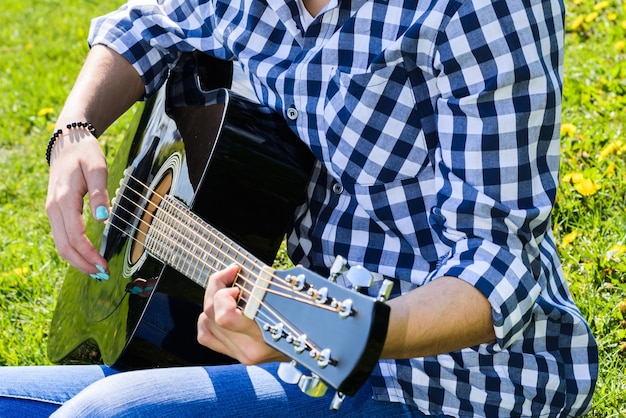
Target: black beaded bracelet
<point>59,132</point>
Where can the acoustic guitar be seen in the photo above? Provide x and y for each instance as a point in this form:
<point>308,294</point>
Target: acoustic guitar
<point>201,187</point>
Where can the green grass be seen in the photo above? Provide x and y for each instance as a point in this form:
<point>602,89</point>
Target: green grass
<point>43,44</point>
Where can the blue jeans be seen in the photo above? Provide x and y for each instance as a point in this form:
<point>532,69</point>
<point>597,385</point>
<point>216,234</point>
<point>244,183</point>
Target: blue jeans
<point>215,391</point>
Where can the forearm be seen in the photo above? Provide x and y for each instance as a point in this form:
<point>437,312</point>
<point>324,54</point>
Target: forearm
<point>444,315</point>
<point>106,87</point>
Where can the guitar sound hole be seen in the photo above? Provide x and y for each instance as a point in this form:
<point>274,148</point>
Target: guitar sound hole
<point>152,204</point>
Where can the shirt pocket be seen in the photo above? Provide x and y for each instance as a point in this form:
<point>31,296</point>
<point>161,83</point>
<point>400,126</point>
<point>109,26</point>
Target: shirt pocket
<point>373,132</point>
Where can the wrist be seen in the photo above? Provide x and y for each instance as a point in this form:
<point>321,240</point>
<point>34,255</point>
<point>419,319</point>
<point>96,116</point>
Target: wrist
<point>59,132</point>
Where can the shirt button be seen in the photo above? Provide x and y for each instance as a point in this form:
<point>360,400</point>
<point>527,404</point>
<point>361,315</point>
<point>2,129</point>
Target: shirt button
<point>292,113</point>
<point>337,188</point>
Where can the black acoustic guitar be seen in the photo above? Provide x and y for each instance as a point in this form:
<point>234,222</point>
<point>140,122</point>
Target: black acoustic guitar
<point>202,187</point>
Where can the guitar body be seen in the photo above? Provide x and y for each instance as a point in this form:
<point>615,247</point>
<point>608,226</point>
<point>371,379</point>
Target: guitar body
<point>237,166</point>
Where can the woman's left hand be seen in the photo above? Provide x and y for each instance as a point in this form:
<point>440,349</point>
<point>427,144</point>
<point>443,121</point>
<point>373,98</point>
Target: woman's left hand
<point>223,327</point>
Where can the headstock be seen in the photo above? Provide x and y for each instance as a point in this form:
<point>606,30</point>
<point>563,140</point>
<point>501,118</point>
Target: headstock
<point>335,333</point>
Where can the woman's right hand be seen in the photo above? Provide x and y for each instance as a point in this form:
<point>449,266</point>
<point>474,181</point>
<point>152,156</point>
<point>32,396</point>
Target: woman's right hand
<point>77,168</point>
<point>106,87</point>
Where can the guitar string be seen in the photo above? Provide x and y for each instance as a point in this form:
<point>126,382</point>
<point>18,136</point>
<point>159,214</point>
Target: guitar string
<point>280,282</point>
<point>305,300</point>
<point>266,317</point>
<point>243,278</point>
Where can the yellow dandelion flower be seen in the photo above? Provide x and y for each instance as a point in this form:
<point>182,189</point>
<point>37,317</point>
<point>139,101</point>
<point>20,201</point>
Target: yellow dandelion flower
<point>19,271</point>
<point>610,170</point>
<point>586,187</point>
<point>611,16</point>
<point>50,127</point>
<point>591,17</point>
<point>45,111</point>
<point>28,46</point>
<point>616,251</point>
<point>601,5</point>
<point>568,129</point>
<point>609,149</point>
<point>619,45</point>
<point>577,23</point>
<point>573,177</point>
<point>624,24</point>
<point>569,238</point>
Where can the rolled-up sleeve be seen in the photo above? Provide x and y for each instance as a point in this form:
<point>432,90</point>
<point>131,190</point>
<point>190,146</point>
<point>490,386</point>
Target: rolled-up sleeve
<point>151,35</point>
<point>499,76</point>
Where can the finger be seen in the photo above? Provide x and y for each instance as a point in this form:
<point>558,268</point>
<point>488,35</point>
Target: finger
<point>61,242</point>
<point>226,311</point>
<point>77,247</point>
<point>223,341</point>
<point>72,246</point>
<point>96,178</point>
<point>220,280</point>
<point>207,338</point>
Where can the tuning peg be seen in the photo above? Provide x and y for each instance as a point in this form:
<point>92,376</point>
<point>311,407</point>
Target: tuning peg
<point>312,386</point>
<point>289,373</point>
<point>339,265</point>
<point>385,290</point>
<point>359,276</point>
<point>335,404</point>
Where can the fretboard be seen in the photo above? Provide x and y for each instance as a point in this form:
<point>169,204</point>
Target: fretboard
<point>185,242</point>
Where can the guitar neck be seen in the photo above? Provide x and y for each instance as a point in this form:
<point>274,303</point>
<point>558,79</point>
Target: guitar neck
<point>185,242</point>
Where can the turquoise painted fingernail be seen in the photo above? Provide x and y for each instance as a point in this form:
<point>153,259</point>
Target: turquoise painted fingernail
<point>99,276</point>
<point>103,274</point>
<point>101,213</point>
<point>135,290</point>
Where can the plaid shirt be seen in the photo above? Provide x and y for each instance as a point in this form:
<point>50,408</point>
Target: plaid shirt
<point>436,124</point>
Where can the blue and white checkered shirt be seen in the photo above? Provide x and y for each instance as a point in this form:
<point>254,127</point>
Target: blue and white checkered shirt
<point>436,124</point>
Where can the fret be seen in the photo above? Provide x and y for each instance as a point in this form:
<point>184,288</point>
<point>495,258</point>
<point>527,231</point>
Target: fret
<point>167,246</point>
<point>185,242</point>
<point>253,273</point>
<point>204,245</point>
<point>236,253</point>
<point>192,245</point>
<point>221,255</point>
<point>218,264</point>
<point>195,238</point>
<point>174,246</point>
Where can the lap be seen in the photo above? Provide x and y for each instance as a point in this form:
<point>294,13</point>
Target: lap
<point>216,391</point>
